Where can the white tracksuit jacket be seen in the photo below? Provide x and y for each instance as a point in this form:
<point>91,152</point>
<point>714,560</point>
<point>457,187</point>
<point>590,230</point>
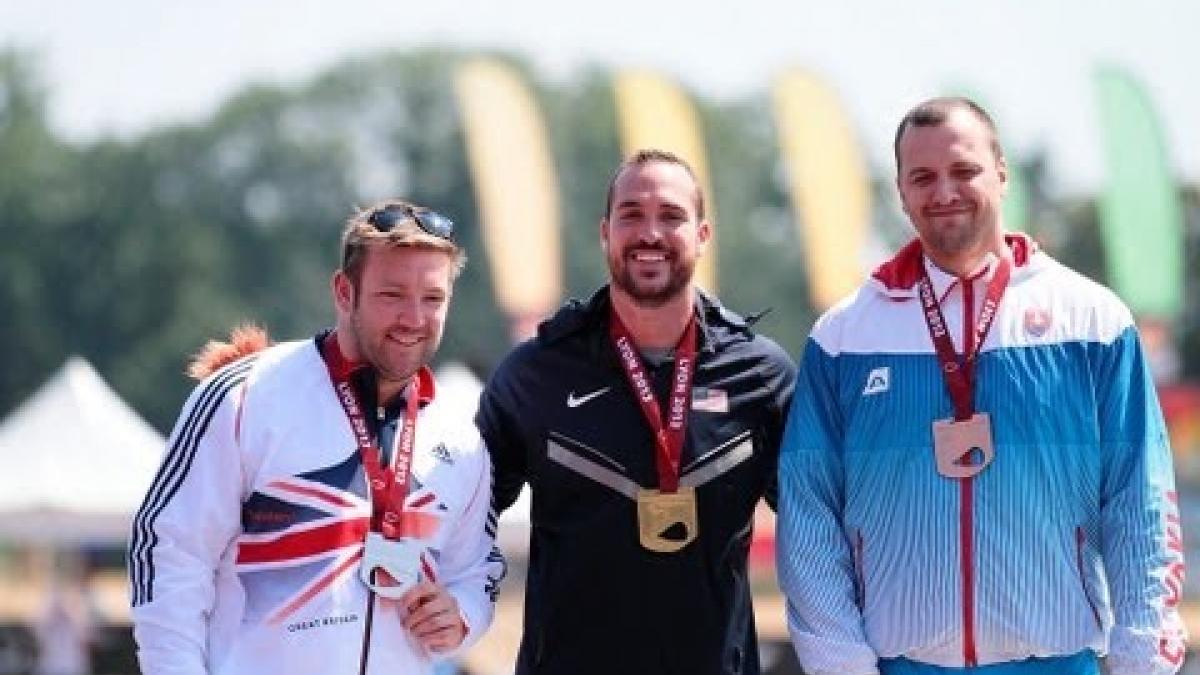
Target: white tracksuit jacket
<point>245,554</point>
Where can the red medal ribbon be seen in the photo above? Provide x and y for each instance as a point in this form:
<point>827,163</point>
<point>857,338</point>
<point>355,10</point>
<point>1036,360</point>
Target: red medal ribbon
<point>959,372</point>
<point>388,489</point>
<point>668,438</point>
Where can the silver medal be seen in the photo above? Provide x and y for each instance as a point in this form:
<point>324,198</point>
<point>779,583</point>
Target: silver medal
<point>400,558</point>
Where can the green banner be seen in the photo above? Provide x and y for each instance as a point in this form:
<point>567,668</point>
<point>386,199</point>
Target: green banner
<point>1140,216</point>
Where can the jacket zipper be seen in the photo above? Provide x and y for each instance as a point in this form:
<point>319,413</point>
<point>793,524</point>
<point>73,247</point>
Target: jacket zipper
<point>966,534</point>
<point>364,654</point>
<point>1080,540</point>
<point>366,641</point>
<point>966,514</point>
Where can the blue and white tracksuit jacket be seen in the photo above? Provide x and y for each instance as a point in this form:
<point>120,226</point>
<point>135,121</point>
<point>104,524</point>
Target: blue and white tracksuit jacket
<point>1068,541</point>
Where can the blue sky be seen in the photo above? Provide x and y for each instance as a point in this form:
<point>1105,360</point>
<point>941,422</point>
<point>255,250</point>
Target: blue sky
<point>121,67</point>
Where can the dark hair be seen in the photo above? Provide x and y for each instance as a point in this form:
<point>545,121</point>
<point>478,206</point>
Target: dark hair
<point>359,233</point>
<point>933,113</point>
<point>648,156</point>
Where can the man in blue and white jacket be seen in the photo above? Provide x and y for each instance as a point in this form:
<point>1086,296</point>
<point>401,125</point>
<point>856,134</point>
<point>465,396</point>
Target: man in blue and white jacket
<point>975,475</point>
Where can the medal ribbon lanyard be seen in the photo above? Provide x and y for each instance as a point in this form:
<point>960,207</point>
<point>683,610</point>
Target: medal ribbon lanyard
<point>959,372</point>
<point>388,488</point>
<point>668,438</point>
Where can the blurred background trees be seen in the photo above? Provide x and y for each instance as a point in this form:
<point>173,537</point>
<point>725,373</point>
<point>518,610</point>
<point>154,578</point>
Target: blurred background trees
<point>132,252</point>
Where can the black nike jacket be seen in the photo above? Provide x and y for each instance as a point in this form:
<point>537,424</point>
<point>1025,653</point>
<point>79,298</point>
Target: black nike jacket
<point>559,414</point>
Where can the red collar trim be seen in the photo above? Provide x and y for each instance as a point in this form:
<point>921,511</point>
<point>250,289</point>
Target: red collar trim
<point>902,272</point>
<point>342,367</point>
<point>426,385</point>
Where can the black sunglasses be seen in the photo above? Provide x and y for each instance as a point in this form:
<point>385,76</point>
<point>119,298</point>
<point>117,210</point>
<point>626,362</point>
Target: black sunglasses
<point>431,222</point>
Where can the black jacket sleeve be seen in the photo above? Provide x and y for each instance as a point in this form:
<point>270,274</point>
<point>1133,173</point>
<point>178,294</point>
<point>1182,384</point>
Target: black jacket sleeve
<point>779,379</point>
<point>496,421</point>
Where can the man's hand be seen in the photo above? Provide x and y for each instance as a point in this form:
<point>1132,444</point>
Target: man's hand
<point>431,615</point>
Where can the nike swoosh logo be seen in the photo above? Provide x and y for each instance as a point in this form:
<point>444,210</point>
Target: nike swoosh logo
<point>574,401</point>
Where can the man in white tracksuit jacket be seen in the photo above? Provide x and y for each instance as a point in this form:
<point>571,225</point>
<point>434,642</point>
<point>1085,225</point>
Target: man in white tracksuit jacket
<point>248,553</point>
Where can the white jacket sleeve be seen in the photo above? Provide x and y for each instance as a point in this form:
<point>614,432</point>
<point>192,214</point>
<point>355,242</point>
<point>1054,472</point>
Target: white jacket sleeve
<point>191,513</point>
<point>472,567</point>
<point>813,557</point>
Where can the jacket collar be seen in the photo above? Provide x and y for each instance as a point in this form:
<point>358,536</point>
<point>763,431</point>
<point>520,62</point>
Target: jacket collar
<point>898,277</point>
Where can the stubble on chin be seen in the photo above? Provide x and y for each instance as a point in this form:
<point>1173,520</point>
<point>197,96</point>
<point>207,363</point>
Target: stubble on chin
<point>953,239</point>
<point>651,298</point>
<point>374,353</point>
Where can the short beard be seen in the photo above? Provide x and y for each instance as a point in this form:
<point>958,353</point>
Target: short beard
<point>957,242</point>
<point>374,359</point>
<point>678,278</point>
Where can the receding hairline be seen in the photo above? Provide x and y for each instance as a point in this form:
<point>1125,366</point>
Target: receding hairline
<point>646,157</point>
<point>935,112</point>
<point>373,247</point>
<point>359,237</point>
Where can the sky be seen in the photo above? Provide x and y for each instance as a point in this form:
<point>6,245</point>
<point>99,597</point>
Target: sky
<point>120,68</point>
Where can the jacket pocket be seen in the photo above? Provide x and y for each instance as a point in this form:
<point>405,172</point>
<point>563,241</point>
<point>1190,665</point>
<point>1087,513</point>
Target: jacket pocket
<point>860,577</point>
<point>1080,543</point>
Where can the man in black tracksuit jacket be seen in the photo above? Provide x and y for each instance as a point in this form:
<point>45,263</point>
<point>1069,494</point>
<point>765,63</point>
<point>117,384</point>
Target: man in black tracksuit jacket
<point>561,414</point>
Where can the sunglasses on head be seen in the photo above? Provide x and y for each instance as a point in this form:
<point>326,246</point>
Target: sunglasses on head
<point>431,222</point>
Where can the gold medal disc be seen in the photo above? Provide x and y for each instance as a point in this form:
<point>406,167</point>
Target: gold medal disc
<point>667,520</point>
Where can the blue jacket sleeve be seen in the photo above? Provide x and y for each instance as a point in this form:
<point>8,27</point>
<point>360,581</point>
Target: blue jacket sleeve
<point>1142,544</point>
<point>813,556</point>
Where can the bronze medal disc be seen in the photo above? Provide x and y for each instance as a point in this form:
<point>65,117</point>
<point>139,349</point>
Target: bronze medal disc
<point>963,448</point>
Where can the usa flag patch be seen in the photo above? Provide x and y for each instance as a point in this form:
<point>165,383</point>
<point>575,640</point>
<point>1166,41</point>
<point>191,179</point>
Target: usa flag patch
<point>710,400</point>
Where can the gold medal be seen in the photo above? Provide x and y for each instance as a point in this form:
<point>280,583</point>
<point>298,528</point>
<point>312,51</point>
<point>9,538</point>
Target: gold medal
<point>667,520</point>
<point>963,448</point>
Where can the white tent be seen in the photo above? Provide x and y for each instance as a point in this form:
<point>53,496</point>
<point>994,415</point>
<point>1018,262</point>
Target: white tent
<point>75,462</point>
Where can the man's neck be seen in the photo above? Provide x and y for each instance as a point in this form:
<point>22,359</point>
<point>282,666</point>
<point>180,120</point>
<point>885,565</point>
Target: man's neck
<point>346,344</point>
<point>388,390</point>
<point>654,327</point>
<point>968,263</point>
<point>385,389</point>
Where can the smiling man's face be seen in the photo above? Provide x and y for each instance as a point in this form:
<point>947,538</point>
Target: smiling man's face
<point>951,185</point>
<point>653,235</point>
<point>395,314</point>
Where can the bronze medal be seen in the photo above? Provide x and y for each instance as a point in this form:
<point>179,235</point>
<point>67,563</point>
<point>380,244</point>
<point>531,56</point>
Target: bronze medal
<point>667,520</point>
<point>963,448</point>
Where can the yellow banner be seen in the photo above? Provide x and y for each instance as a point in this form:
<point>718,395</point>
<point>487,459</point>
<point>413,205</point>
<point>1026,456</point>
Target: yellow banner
<point>654,113</point>
<point>829,185</point>
<point>516,188</point>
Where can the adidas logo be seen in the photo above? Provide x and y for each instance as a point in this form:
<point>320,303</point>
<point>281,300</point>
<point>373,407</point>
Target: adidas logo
<point>879,381</point>
<point>443,453</point>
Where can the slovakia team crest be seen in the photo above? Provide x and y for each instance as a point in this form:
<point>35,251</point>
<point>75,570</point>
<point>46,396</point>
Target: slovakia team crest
<point>1037,321</point>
